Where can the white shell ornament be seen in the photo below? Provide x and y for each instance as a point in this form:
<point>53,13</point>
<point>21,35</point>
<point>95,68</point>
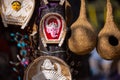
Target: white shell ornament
<point>17,12</point>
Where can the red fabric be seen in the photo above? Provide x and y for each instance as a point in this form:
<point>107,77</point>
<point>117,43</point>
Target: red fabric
<point>49,37</point>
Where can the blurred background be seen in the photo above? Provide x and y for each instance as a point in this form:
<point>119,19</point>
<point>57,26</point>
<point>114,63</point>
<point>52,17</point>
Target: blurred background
<point>92,66</point>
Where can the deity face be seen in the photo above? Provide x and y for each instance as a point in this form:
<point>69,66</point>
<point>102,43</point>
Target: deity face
<point>53,29</point>
<point>52,25</point>
<point>16,5</point>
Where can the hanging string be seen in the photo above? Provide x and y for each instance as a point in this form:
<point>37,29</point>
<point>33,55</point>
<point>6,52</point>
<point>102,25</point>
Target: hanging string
<point>53,52</point>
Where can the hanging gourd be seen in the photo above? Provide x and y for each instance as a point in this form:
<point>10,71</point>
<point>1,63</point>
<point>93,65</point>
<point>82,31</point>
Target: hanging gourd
<point>83,37</point>
<point>109,37</point>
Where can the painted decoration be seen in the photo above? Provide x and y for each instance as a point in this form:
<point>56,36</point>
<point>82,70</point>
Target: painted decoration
<point>52,28</point>
<point>17,12</point>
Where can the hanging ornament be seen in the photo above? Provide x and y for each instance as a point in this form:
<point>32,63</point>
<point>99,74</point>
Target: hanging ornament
<point>109,37</point>
<point>47,68</point>
<point>52,29</point>
<point>17,12</point>
<point>52,23</point>
<point>83,36</point>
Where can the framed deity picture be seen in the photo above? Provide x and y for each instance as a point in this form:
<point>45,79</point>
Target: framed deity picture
<point>52,29</point>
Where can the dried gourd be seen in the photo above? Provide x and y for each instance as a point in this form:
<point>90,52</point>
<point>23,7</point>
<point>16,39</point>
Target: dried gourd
<point>109,37</point>
<point>83,36</point>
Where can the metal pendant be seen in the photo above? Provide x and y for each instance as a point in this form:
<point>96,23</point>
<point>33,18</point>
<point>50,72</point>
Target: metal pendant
<point>47,68</point>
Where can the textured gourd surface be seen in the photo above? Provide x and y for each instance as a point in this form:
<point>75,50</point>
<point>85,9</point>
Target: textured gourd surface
<point>109,37</point>
<point>83,37</point>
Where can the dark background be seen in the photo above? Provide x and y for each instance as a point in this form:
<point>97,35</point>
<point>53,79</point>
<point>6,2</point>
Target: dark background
<point>8,49</point>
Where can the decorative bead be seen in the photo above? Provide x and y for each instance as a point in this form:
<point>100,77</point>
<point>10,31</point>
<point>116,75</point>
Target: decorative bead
<point>12,34</point>
<point>23,52</point>
<point>23,44</point>
<point>26,37</point>
<point>25,62</point>
<point>19,45</point>
<point>19,78</point>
